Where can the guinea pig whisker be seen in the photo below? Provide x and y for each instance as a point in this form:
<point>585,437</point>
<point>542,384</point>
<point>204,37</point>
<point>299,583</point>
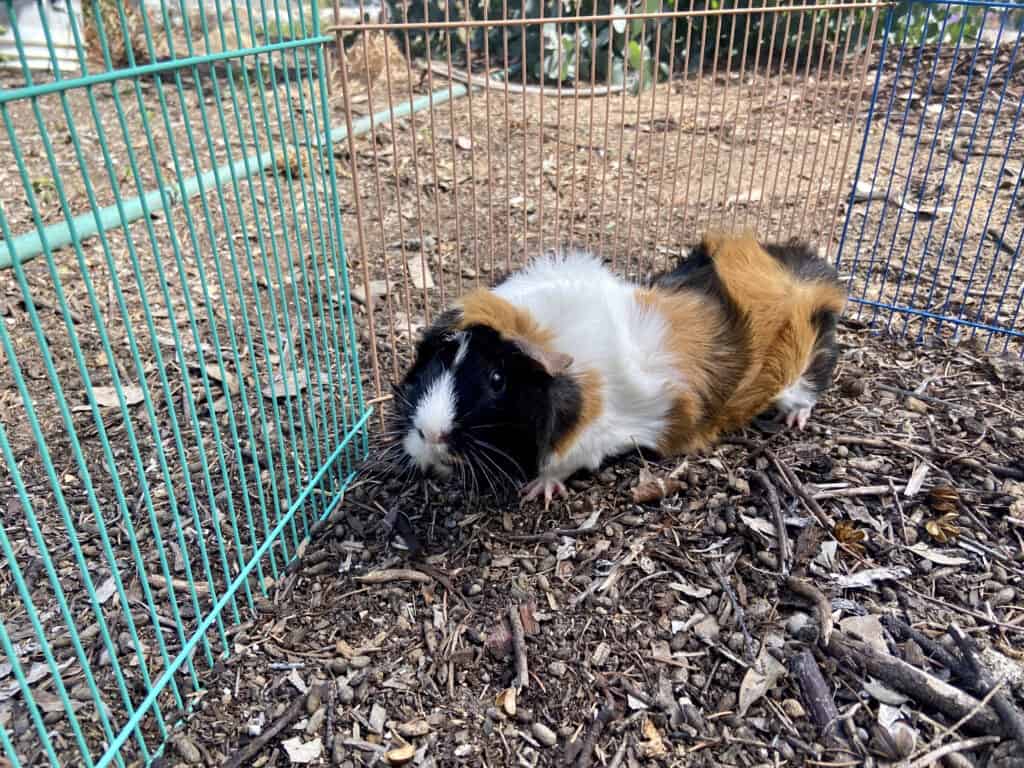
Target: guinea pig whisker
<point>490,447</point>
<point>483,454</point>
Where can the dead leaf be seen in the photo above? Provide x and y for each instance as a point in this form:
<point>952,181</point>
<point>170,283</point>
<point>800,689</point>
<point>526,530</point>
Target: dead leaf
<point>302,752</point>
<point>105,590</point>
<point>760,678</point>
<point>419,273</point>
<point>226,379</point>
<point>943,528</point>
<point>759,524</point>
<point>698,593</point>
<point>867,578</point>
<point>650,488</point>
<point>506,701</point>
<point>867,628</point>
<point>106,397</point>
<point>850,536</point>
<point>916,480</point>
<point>653,746</point>
<point>751,196</point>
<point>923,550</point>
<point>296,680</point>
<point>943,499</point>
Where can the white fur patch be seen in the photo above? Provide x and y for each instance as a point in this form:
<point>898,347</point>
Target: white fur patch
<point>797,397</point>
<point>597,320</point>
<point>434,418</point>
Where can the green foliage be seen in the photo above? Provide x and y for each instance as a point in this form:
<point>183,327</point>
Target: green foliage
<point>637,51</point>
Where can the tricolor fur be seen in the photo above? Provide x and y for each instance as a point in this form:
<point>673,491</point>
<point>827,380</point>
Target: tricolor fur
<point>564,364</point>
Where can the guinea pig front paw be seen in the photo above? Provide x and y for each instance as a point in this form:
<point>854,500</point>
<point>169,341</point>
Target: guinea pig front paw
<point>546,485</point>
<point>798,418</point>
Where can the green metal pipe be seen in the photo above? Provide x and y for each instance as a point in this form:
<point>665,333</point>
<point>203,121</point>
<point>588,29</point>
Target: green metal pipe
<point>26,247</point>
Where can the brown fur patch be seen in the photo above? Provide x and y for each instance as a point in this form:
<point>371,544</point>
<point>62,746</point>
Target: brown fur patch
<point>709,359</point>
<point>482,307</point>
<point>589,383</point>
<point>731,372</point>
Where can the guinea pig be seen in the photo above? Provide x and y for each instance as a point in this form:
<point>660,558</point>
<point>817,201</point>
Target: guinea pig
<point>565,364</point>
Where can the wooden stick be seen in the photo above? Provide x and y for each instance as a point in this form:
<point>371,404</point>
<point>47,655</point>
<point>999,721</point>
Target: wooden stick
<point>983,684</point>
<point>816,693</point>
<point>924,688</point>
<point>780,522</point>
<point>245,755</point>
<point>933,757</point>
<point>519,645</point>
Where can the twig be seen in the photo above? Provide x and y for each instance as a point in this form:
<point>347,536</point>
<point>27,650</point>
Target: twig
<point>245,755</point>
<point>932,647</point>
<point>780,522</point>
<point>799,490</point>
<point>816,693</point>
<point>586,757</point>
<point>485,82</point>
<point>924,688</point>
<point>395,574</point>
<point>852,493</point>
<point>821,603</point>
<point>519,645</point>
<point>983,683</point>
<point>933,757</point>
<point>620,754</point>
<point>748,641</point>
<point>882,444</point>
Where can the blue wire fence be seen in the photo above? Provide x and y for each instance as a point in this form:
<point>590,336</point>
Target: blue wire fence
<point>180,397</point>
<point>935,219</point>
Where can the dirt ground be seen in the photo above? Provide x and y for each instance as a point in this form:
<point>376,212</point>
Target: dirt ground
<point>653,633</point>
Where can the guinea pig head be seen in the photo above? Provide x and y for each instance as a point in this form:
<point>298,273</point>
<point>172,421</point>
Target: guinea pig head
<point>482,399</point>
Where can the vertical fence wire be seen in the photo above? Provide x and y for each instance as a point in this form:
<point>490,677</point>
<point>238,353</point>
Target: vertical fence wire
<point>182,397</point>
<point>937,184</point>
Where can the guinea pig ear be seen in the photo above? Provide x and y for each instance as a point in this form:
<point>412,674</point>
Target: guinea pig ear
<point>553,363</point>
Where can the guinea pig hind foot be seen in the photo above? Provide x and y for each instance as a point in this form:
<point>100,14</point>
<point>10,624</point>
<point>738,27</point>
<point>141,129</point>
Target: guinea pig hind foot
<point>548,486</point>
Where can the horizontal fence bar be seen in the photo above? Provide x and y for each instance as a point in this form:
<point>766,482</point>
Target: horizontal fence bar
<point>438,26</point>
<point>924,313</point>
<point>29,245</point>
<point>236,584</point>
<point>142,70</point>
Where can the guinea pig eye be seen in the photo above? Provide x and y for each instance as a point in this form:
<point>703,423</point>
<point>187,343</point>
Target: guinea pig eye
<point>497,381</point>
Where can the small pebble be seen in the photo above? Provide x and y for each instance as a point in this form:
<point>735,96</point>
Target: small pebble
<point>312,701</point>
<point>359,662</point>
<point>316,722</point>
<point>414,729</point>
<point>793,708</point>
<point>188,750</point>
<point>797,622</point>
<point>544,735</point>
<point>400,755</point>
<point>707,629</point>
<point>1004,596</point>
<point>472,589</point>
<point>345,694</point>
<point>557,669</point>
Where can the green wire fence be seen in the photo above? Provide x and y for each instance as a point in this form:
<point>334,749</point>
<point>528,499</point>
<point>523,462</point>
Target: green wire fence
<point>180,394</point>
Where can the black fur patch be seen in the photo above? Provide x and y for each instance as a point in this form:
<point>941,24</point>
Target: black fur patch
<point>801,260</point>
<point>501,431</point>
